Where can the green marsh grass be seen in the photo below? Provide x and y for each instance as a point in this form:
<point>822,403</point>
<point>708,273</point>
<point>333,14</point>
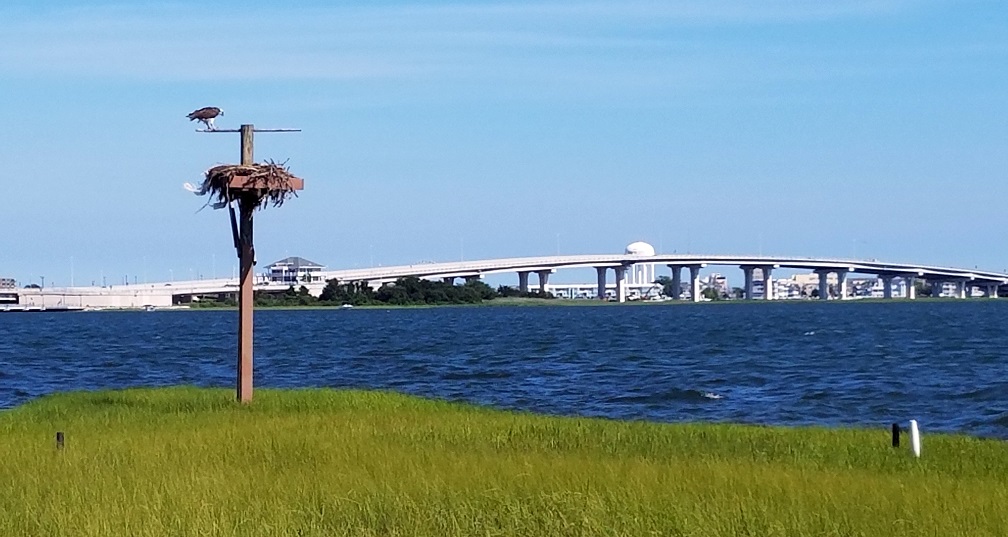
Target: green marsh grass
<point>187,461</point>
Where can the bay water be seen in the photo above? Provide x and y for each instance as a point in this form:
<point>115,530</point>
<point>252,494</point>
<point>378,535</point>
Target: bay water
<point>943,363</point>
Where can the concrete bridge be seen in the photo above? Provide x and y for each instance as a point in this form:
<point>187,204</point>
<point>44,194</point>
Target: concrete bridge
<point>619,264</point>
<point>164,294</point>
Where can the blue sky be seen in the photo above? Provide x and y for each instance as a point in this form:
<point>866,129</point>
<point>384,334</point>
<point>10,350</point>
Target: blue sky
<point>442,131</point>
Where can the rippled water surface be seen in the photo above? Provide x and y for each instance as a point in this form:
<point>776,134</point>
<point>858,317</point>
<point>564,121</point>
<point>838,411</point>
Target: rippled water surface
<point>942,363</point>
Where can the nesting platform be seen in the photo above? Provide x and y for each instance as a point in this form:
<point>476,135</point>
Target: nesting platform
<point>267,183</point>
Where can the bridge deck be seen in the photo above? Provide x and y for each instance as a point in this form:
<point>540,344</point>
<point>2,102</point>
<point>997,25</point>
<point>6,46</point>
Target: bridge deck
<point>461,269</point>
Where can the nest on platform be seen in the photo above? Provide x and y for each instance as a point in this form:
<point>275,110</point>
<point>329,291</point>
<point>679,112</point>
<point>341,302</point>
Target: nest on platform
<point>270,183</point>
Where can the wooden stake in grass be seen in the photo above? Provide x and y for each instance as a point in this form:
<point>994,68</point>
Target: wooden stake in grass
<point>252,186</point>
<point>59,439</point>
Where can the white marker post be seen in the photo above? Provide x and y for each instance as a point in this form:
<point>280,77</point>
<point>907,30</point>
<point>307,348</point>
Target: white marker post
<point>915,443</point>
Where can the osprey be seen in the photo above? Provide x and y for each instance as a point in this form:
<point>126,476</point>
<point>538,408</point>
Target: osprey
<point>206,115</point>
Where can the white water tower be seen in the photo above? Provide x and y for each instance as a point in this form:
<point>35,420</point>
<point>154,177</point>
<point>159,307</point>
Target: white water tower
<point>640,273</point>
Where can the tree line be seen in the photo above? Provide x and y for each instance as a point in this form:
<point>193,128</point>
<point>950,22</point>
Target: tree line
<point>408,291</point>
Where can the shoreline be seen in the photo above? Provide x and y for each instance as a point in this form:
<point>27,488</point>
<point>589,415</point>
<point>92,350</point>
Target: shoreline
<point>498,302</point>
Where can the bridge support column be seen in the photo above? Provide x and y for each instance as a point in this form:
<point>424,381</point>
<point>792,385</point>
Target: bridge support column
<point>748,273</point>
<point>694,276</point>
<point>936,289</point>
<point>601,282</point>
<point>886,285</point>
<point>991,291</point>
<point>963,289</point>
<point>768,287</point>
<point>523,281</point>
<point>676,281</point>
<point>543,280</point>
<point>823,284</point>
<point>911,291</point>
<point>449,280</point>
<point>620,284</point>
<point>471,279</point>
<point>841,284</point>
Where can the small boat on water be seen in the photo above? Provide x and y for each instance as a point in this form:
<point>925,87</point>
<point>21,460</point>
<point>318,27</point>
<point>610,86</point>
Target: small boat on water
<point>346,306</point>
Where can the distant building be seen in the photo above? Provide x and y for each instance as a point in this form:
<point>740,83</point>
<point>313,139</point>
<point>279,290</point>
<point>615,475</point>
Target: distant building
<point>294,270</point>
<point>951,289</point>
<point>717,282</point>
<point>899,288</point>
<point>8,291</point>
<point>801,286</point>
<point>788,289</point>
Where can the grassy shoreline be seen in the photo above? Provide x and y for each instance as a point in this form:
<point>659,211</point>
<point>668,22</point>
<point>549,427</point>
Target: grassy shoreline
<point>187,461</point>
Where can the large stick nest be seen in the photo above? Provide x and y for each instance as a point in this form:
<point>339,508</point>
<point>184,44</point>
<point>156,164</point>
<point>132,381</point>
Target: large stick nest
<point>275,177</point>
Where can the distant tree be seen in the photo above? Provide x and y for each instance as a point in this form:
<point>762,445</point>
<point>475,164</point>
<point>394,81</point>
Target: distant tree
<point>921,288</point>
<point>668,288</point>
<point>353,293</point>
<point>403,292</point>
<point>212,302</point>
<point>508,291</point>
<point>710,293</point>
<point>330,291</point>
<point>480,290</point>
<point>412,290</point>
<point>738,292</point>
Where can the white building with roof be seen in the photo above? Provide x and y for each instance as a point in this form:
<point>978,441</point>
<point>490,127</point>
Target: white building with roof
<point>294,270</point>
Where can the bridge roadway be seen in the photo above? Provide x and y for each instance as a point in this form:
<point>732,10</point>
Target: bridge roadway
<point>543,266</point>
<point>161,294</point>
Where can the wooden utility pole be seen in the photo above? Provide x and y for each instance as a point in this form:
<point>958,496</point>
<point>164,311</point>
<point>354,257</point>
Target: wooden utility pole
<point>246,256</point>
<point>248,194</point>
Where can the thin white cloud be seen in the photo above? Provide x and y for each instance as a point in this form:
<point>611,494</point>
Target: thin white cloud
<point>672,11</point>
<point>565,40</point>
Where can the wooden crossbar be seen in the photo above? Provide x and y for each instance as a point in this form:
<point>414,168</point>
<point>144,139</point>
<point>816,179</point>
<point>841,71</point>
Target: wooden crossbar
<point>253,130</point>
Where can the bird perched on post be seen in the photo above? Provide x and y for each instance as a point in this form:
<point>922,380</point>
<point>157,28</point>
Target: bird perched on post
<point>206,115</point>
